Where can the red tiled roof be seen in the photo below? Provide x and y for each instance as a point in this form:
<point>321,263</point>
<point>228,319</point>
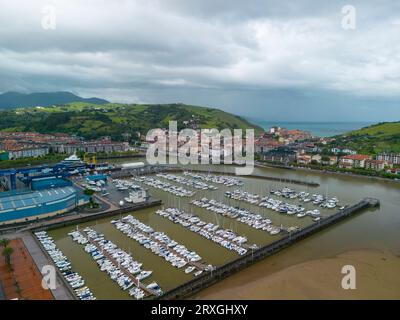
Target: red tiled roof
<point>358,157</point>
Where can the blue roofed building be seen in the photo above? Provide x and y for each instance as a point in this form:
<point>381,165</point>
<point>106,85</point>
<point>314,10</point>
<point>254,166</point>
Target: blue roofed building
<point>27,205</point>
<point>49,182</point>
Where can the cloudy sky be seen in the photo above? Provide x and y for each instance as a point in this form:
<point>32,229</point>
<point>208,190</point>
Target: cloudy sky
<point>296,61</point>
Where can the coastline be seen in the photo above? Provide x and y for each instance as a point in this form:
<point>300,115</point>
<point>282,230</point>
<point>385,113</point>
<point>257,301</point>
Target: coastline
<point>376,278</point>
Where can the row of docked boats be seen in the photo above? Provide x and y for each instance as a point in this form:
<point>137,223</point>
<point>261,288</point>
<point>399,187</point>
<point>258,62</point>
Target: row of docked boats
<point>187,182</point>
<point>118,264</point>
<point>273,204</point>
<point>159,243</point>
<point>124,185</point>
<point>252,219</point>
<point>288,208</point>
<point>224,237</point>
<point>75,280</point>
<point>164,186</point>
<point>306,197</point>
<point>218,179</point>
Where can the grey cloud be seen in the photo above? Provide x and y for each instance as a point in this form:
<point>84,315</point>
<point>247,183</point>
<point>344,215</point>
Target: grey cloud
<point>220,53</point>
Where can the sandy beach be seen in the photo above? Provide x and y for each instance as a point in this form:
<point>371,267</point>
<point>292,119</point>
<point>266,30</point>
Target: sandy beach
<point>377,277</point>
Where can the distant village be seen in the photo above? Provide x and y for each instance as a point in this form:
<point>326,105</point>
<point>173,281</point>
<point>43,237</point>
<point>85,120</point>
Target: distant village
<point>18,145</point>
<point>278,145</point>
<point>286,147</point>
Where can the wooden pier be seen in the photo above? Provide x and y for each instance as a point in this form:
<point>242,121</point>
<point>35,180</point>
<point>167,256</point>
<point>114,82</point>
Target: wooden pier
<point>209,278</point>
<point>136,282</point>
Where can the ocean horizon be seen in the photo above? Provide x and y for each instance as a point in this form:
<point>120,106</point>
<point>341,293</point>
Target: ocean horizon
<point>320,129</point>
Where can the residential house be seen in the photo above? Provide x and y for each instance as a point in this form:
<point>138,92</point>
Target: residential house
<point>262,145</point>
<point>329,160</point>
<point>304,159</point>
<point>353,161</point>
<point>377,165</point>
<point>281,155</point>
<point>27,152</point>
<point>389,157</point>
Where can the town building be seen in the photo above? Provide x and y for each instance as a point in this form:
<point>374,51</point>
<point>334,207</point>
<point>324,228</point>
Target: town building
<point>353,161</point>
<point>280,155</point>
<point>19,152</point>
<point>304,159</point>
<point>377,165</point>
<point>329,160</point>
<point>262,145</point>
<point>389,157</point>
<point>308,158</point>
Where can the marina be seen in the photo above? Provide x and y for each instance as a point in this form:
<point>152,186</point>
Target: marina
<point>75,281</point>
<point>255,255</point>
<point>118,264</point>
<point>165,186</point>
<point>224,237</point>
<point>187,182</point>
<point>252,219</point>
<point>203,151</point>
<point>275,204</point>
<point>159,243</point>
<point>219,179</point>
<point>188,236</point>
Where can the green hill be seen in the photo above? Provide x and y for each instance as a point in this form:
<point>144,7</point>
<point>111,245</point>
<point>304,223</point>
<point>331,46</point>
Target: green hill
<point>373,139</point>
<point>10,100</point>
<point>92,121</point>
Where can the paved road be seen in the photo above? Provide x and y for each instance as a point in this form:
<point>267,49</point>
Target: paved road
<point>61,292</point>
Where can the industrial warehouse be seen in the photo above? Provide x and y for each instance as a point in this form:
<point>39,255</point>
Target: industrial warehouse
<point>40,192</point>
<point>20,206</point>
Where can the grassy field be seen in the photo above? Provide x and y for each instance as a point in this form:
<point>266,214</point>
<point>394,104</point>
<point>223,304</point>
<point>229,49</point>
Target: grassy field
<point>386,129</point>
<point>373,139</point>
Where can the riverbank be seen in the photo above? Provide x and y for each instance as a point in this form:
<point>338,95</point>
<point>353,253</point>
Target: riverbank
<point>327,172</point>
<point>376,278</point>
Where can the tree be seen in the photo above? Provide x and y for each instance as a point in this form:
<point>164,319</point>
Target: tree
<point>7,252</point>
<point>4,242</point>
<point>88,192</point>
